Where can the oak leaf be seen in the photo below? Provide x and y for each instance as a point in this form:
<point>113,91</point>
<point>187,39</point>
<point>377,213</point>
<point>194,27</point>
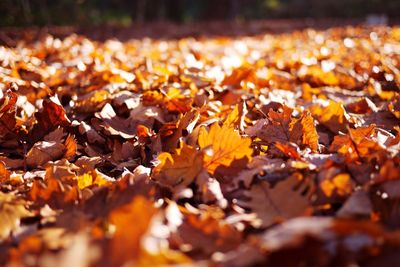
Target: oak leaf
<point>271,204</point>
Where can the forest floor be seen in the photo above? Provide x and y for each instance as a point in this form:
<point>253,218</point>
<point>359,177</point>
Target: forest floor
<point>200,147</point>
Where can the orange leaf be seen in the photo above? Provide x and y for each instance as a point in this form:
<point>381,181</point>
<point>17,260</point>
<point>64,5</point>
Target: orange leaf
<point>226,145</point>
<point>341,184</point>
<point>284,128</point>
<point>131,222</point>
<point>333,116</point>
<point>180,167</point>
<point>310,135</point>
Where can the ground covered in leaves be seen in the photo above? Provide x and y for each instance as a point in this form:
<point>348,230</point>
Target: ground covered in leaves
<point>272,150</point>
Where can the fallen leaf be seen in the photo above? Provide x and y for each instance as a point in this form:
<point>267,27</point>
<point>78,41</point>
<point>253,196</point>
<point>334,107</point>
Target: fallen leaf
<point>125,244</point>
<point>12,209</point>
<point>225,145</point>
<point>181,167</point>
<point>333,116</point>
<point>272,204</point>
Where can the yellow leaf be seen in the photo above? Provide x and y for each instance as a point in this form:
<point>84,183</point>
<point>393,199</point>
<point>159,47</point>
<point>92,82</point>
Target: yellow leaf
<point>236,117</point>
<point>91,178</point>
<point>341,183</point>
<point>226,145</point>
<point>12,210</point>
<point>180,167</point>
<point>332,116</point>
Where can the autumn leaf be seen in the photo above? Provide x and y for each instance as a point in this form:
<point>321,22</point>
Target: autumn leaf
<point>234,150</point>
<point>7,113</point>
<point>238,75</point>
<point>333,116</point>
<point>284,128</point>
<point>206,233</point>
<point>225,145</point>
<point>54,193</point>
<point>310,135</point>
<point>53,148</point>
<point>359,143</point>
<point>48,119</point>
<point>12,209</point>
<point>271,204</point>
<point>394,106</point>
<point>236,117</point>
<point>341,184</point>
<point>89,179</point>
<point>8,101</point>
<point>172,133</point>
<point>4,173</point>
<point>42,152</point>
<point>180,167</point>
<point>125,244</point>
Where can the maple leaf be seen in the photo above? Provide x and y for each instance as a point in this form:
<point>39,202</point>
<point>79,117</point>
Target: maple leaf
<point>240,74</point>
<point>225,144</point>
<point>237,116</point>
<point>12,209</point>
<point>181,167</point>
<point>284,128</point>
<point>310,135</point>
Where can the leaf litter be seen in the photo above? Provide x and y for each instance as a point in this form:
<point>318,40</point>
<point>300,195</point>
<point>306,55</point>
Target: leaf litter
<point>272,150</point>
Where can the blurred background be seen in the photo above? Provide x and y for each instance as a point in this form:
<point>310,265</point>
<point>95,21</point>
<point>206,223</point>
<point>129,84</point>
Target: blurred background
<point>128,12</point>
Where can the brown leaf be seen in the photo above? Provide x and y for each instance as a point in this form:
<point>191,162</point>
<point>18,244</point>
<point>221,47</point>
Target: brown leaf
<point>284,128</point>
<point>7,113</point>
<point>359,143</point>
<point>271,204</point>
<point>207,234</point>
<point>48,119</point>
<point>43,152</point>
